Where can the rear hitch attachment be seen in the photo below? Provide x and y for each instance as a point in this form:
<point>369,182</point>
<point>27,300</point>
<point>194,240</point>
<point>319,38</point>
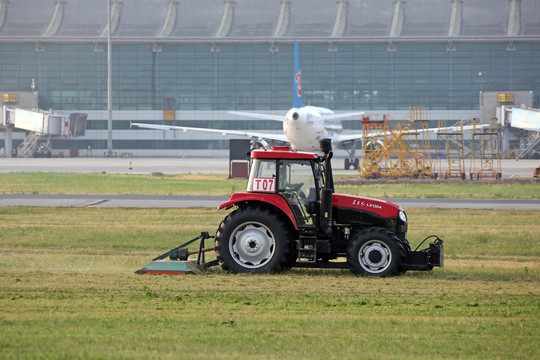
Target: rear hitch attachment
<point>178,263</point>
<point>427,258</point>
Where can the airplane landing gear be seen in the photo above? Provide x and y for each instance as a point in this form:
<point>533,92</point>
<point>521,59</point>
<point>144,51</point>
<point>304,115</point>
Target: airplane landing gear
<point>355,162</point>
<point>349,147</point>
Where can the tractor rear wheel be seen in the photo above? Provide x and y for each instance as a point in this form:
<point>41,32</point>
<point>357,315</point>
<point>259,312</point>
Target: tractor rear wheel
<point>375,251</point>
<point>253,240</point>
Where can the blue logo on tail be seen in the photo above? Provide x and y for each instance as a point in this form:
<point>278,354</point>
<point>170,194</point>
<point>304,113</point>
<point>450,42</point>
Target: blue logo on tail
<point>297,90</point>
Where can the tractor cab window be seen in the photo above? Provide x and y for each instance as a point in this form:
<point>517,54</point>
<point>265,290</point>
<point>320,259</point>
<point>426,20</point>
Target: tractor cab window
<point>297,176</point>
<point>296,183</point>
<point>262,176</point>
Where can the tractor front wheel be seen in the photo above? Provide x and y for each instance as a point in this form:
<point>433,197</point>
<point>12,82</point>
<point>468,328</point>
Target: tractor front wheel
<point>375,251</point>
<point>253,240</point>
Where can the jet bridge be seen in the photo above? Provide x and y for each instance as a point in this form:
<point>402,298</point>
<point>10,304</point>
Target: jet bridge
<point>526,122</point>
<point>527,119</point>
<point>41,127</point>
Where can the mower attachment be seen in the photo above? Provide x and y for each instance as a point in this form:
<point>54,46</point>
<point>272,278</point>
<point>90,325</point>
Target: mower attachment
<point>178,262</point>
<point>427,258</point>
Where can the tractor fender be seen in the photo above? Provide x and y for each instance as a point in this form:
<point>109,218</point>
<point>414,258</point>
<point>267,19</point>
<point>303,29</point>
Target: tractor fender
<point>273,199</point>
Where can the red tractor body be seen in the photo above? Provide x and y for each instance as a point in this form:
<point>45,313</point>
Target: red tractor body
<point>290,216</point>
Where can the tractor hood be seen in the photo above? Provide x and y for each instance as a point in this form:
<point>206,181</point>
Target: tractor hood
<point>379,207</point>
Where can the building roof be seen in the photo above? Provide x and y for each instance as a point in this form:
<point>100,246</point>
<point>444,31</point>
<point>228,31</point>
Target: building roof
<point>269,20</point>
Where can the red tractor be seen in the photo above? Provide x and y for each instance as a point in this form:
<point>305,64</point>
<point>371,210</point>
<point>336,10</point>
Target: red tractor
<point>290,216</point>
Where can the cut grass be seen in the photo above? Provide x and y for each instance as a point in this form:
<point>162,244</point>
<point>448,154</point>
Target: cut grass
<point>294,315</point>
<point>218,185</point>
<point>68,290</point>
<point>465,231</point>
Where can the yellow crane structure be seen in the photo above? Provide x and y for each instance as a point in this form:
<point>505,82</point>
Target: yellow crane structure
<point>392,150</point>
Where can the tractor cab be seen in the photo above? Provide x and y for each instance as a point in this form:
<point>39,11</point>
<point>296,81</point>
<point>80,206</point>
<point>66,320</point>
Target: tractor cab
<point>296,177</point>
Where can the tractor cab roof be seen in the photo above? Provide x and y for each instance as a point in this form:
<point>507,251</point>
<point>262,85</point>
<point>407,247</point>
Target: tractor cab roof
<point>282,152</point>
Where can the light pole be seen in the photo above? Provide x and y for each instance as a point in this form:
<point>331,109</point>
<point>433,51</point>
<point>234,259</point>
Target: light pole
<point>109,77</point>
<point>481,74</point>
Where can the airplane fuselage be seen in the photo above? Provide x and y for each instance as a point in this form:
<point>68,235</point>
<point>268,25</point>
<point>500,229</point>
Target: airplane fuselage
<point>304,127</point>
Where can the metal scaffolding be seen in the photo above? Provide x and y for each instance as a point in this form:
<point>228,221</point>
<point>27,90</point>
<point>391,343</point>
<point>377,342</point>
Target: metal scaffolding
<point>391,150</point>
<point>485,152</point>
<point>423,157</point>
<point>450,159</point>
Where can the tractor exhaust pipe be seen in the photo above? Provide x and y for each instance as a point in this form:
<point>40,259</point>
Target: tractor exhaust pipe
<point>328,190</point>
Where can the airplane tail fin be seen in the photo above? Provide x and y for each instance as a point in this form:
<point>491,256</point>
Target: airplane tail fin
<point>297,89</point>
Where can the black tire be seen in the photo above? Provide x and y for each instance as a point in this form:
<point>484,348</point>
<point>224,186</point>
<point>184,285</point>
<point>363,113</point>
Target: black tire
<point>253,240</point>
<point>407,248</point>
<point>375,251</point>
<point>356,164</point>
<point>347,164</point>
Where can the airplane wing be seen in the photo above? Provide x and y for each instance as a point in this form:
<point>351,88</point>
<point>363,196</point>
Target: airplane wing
<point>259,116</point>
<point>339,116</point>
<point>250,134</point>
<point>359,136</point>
<point>458,128</point>
<point>331,116</point>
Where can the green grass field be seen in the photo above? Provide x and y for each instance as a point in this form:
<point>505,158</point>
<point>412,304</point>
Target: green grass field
<point>189,184</point>
<point>68,290</point>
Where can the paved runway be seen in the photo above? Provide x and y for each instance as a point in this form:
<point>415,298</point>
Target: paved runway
<point>118,165</point>
<point>148,201</point>
<point>145,201</point>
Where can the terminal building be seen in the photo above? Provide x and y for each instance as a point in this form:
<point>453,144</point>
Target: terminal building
<point>188,63</point>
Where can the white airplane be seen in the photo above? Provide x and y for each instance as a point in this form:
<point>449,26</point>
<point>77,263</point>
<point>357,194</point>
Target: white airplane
<point>303,126</point>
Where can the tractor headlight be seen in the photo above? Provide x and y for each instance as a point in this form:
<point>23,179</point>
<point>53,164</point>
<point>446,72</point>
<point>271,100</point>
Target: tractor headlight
<point>402,216</point>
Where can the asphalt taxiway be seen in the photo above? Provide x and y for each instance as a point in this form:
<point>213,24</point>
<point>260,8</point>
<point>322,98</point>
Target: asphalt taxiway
<point>151,201</point>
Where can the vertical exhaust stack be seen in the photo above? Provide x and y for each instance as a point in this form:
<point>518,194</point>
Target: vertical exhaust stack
<point>328,190</point>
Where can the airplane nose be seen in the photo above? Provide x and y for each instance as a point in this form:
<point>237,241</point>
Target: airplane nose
<point>295,116</point>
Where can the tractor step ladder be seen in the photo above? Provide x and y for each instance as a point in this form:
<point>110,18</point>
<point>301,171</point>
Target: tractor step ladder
<point>307,249</point>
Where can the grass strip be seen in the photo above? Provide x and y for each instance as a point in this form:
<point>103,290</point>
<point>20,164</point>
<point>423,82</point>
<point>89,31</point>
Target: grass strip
<point>219,185</point>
